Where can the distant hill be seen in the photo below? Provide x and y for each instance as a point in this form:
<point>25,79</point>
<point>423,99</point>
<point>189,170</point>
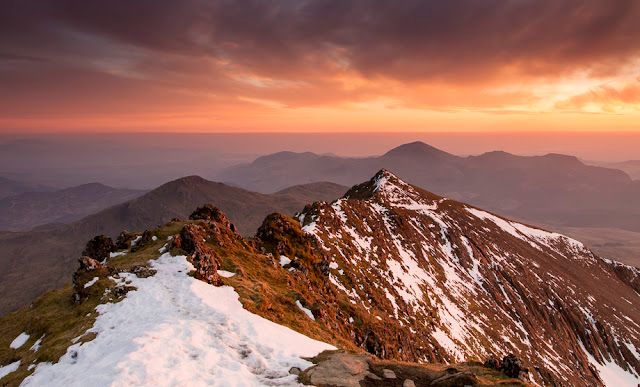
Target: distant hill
<point>41,259</point>
<point>551,189</point>
<point>631,167</point>
<point>30,209</point>
<point>10,187</point>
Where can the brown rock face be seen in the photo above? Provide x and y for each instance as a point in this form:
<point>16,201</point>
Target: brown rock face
<point>192,240</point>
<point>99,248</point>
<point>449,283</point>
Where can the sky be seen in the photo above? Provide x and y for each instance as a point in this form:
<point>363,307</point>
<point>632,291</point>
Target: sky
<point>319,66</point>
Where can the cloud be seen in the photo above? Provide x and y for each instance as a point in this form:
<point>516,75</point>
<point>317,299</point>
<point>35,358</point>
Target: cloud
<point>484,55</point>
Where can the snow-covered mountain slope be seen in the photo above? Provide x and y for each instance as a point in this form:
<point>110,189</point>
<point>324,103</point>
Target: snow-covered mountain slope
<point>176,330</point>
<point>451,282</point>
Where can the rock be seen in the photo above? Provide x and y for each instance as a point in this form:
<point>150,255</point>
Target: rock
<point>123,242</point>
<point>339,369</point>
<point>89,269</point>
<point>388,374</point>
<point>209,212</point>
<point>408,383</point>
<point>204,259</point>
<point>89,264</point>
<point>99,247</point>
<point>511,366</point>
<point>492,362</point>
<point>455,380</point>
<point>145,239</point>
<point>143,271</point>
<point>295,371</point>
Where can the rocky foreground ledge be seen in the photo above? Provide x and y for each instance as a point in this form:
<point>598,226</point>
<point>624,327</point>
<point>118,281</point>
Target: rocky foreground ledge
<point>347,369</point>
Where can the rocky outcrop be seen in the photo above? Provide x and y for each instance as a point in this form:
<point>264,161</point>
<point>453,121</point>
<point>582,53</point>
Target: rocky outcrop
<point>123,242</point>
<point>510,365</point>
<point>142,241</point>
<point>346,369</point>
<point>627,274</point>
<point>192,240</point>
<point>99,248</point>
<point>87,272</point>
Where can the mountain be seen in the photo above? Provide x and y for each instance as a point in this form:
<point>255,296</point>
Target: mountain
<point>9,187</point>
<point>631,167</point>
<point>34,261</point>
<point>551,189</point>
<point>441,292</point>
<point>451,282</point>
<point>29,209</point>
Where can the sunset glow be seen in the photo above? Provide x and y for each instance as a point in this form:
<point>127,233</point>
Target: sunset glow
<point>320,66</point>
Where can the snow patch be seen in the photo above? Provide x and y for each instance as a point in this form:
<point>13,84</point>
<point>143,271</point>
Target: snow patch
<point>9,368</point>
<point>36,346</point>
<point>305,310</point>
<point>225,274</point>
<point>91,283</point>
<point>19,341</point>
<point>611,374</point>
<point>284,260</point>
<point>176,330</point>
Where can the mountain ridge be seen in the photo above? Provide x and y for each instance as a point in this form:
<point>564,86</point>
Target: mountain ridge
<point>395,271</point>
<point>27,268</point>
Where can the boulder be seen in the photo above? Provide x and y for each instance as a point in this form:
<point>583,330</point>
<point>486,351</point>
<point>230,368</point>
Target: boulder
<point>123,242</point>
<point>99,247</point>
<point>511,366</point>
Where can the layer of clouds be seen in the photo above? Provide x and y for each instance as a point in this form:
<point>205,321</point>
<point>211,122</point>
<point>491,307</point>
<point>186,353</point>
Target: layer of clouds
<point>308,53</point>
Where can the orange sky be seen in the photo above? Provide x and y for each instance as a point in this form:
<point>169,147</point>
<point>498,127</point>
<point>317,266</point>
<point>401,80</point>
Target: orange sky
<point>203,66</point>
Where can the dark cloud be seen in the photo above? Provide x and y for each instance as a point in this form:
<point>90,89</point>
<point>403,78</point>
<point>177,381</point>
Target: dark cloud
<point>397,39</point>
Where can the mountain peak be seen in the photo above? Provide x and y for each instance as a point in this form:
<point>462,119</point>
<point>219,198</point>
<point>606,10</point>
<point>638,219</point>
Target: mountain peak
<point>383,181</point>
<point>418,149</point>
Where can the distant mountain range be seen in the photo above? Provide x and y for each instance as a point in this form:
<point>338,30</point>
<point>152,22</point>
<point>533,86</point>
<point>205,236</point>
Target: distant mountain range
<point>10,187</point>
<point>30,209</point>
<point>34,261</point>
<point>551,189</point>
<point>631,167</point>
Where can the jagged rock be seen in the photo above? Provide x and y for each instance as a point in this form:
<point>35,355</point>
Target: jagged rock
<point>99,247</point>
<point>204,259</point>
<point>209,212</point>
<point>492,362</point>
<point>142,242</point>
<point>89,269</point>
<point>88,264</point>
<point>123,242</point>
<point>511,366</point>
<point>282,235</point>
<point>143,271</point>
<point>408,383</point>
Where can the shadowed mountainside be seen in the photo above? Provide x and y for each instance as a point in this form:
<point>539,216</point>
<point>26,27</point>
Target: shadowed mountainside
<point>30,209</point>
<point>10,187</point>
<point>41,259</point>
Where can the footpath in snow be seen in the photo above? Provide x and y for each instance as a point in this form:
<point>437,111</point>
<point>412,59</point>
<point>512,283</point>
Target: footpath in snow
<point>175,330</point>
